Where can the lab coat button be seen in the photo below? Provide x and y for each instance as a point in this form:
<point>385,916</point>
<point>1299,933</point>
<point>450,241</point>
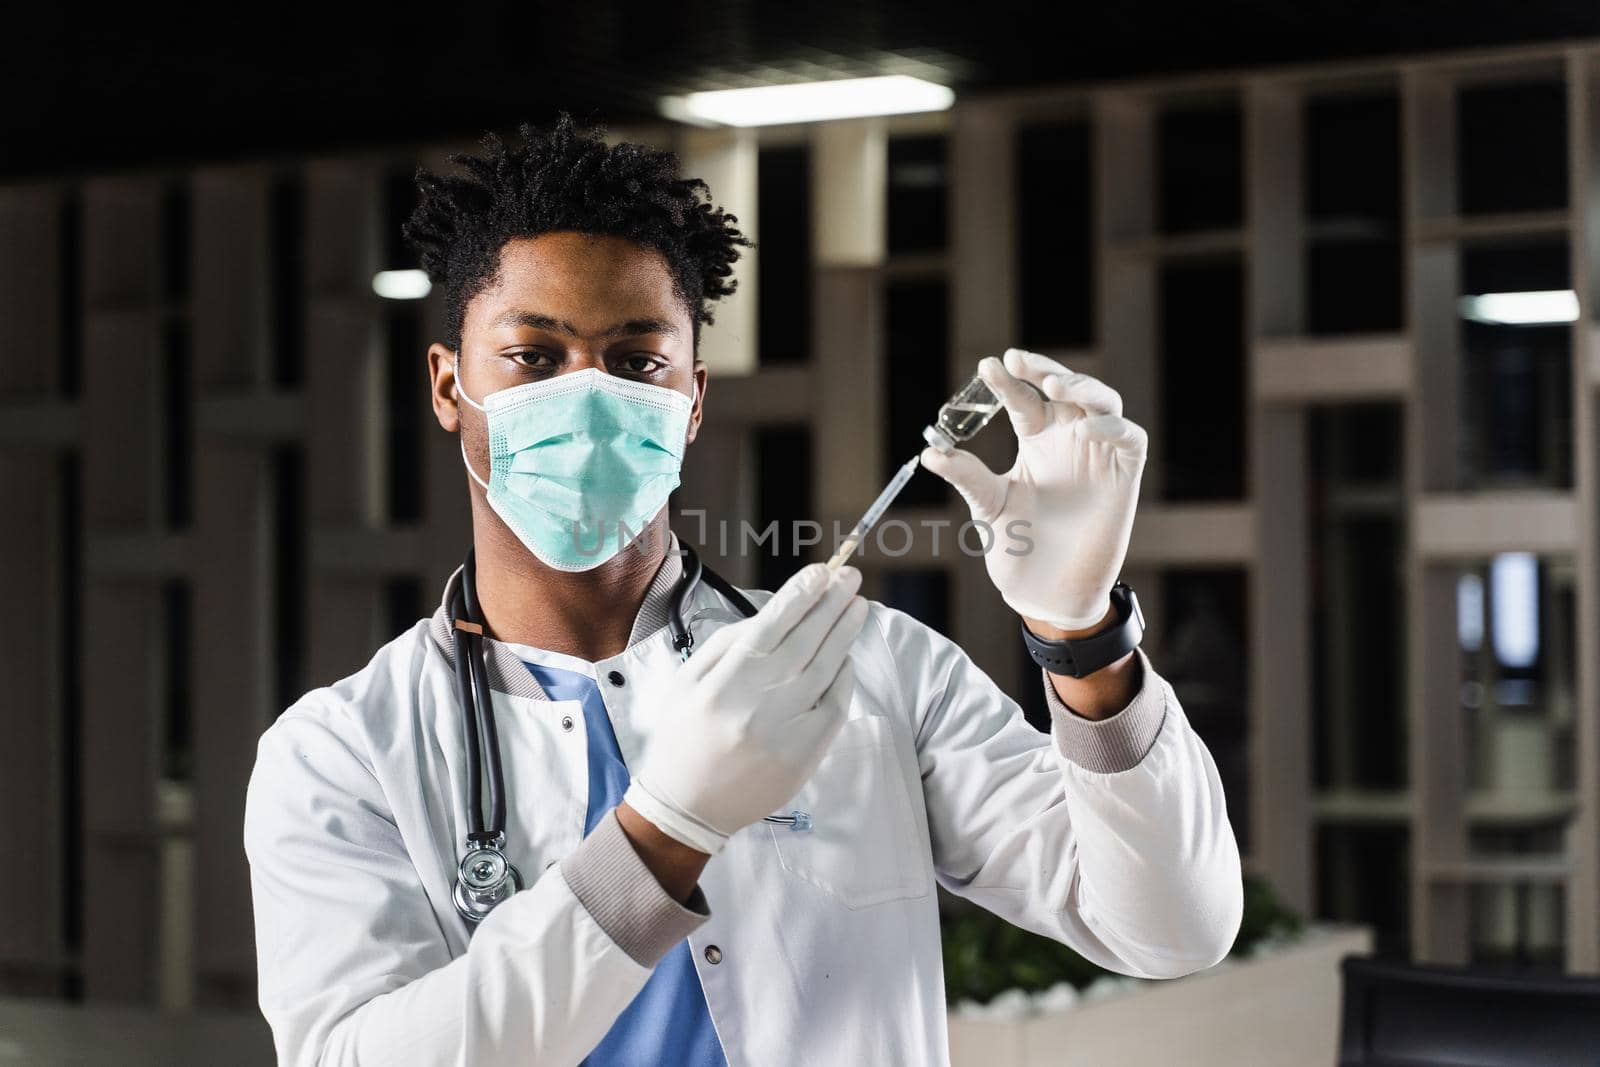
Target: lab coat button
<point>566,723</point>
<point>615,678</point>
<point>713,955</point>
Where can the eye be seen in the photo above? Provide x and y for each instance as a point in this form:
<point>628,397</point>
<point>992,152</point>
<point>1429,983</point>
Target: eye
<point>642,363</point>
<point>534,357</point>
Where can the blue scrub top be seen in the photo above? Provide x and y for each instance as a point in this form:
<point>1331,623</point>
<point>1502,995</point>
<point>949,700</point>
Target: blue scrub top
<point>668,1022</point>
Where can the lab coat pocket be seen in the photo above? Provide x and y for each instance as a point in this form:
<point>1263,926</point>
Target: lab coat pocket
<point>863,847</point>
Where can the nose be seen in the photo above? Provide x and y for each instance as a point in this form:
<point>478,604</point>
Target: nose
<point>582,357</point>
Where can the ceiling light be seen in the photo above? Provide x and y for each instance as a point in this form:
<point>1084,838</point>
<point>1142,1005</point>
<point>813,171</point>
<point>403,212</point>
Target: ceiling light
<point>1537,308</point>
<point>1469,612</point>
<point>844,98</point>
<point>401,284</point>
<point>1514,605</point>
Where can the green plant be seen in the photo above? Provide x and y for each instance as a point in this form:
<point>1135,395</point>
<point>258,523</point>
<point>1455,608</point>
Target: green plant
<point>1264,916</point>
<point>984,955</point>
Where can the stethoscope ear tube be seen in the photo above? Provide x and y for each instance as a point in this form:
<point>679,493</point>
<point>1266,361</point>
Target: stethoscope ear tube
<point>727,589</point>
<point>682,636</point>
<point>693,573</point>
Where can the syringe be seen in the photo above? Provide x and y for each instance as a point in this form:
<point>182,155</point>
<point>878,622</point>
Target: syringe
<point>874,513</point>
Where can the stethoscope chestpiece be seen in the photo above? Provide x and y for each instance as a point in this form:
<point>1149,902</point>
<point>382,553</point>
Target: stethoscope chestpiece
<point>485,878</point>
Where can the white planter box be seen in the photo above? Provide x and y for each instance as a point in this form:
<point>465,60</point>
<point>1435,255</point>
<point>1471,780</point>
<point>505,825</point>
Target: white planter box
<point>1280,1008</point>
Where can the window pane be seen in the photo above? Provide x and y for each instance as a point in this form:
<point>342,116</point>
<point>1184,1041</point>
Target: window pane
<point>1521,925</point>
<point>403,603</point>
<point>1200,161</point>
<point>177,734</point>
<point>783,495</point>
<point>286,275</point>
<point>916,379</point>
<point>407,382</point>
<point>1511,145</point>
<point>70,586</point>
<point>1354,287</point>
<point>1352,156</point>
<point>918,195</point>
<point>1054,236</point>
<point>783,259</point>
<point>177,423</point>
<point>289,562</point>
<point>1358,614</point>
<point>1353,195</point>
<point>1201,437</point>
<point>1515,628</point>
<point>1516,403</point>
<point>69,293</point>
<point>1204,655</point>
<point>400,196</point>
<point>177,241</point>
<point>1362,872</point>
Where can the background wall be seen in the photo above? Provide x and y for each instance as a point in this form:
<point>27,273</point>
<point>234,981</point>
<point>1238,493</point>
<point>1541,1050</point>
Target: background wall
<point>1367,545</point>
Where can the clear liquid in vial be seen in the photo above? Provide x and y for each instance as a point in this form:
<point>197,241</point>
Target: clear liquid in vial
<point>963,415</point>
<point>960,421</point>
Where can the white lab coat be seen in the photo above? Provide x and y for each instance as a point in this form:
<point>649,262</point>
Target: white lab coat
<point>829,940</point>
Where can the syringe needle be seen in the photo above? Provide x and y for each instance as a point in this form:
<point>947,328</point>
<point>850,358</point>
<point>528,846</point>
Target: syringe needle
<point>874,512</point>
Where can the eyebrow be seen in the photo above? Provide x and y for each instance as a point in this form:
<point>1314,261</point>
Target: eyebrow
<point>630,328</point>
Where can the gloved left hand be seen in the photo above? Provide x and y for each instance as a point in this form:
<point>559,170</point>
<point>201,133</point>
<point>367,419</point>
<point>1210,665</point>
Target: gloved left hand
<point>1075,484</point>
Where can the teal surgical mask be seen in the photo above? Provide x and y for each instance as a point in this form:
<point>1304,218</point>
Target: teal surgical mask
<point>581,462</point>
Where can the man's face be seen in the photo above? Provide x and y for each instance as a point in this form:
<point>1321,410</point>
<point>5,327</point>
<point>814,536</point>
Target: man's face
<point>566,302</point>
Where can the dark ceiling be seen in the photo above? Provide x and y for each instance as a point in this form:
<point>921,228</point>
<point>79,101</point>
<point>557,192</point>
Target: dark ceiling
<point>128,89</point>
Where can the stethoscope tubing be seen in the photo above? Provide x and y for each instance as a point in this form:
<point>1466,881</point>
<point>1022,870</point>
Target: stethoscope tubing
<point>483,703</point>
<point>469,727</point>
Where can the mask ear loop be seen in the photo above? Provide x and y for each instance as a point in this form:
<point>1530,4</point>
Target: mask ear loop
<point>462,394</point>
<point>455,366</point>
<point>694,398</point>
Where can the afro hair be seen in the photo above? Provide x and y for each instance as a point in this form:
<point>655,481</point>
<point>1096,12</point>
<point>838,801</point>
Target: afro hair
<point>562,178</point>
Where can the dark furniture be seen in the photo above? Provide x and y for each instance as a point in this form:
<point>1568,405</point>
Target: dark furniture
<point>1397,1015</point>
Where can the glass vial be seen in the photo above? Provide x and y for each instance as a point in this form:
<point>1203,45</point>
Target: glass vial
<point>963,415</point>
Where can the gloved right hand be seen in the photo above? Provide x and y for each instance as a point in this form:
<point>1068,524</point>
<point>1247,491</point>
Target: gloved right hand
<point>744,722</point>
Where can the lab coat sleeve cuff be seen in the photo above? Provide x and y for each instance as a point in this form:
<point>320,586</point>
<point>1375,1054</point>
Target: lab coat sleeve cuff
<point>1118,742</point>
<point>624,898</point>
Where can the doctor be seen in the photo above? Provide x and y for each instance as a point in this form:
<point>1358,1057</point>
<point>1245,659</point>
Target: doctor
<point>675,910</point>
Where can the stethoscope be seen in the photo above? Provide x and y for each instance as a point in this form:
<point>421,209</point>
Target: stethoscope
<point>485,876</point>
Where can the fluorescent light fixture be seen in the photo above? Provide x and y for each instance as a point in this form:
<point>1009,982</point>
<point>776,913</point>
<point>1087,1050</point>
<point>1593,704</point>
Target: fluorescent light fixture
<point>401,284</point>
<point>846,98</point>
<point>1514,603</point>
<point>1541,307</point>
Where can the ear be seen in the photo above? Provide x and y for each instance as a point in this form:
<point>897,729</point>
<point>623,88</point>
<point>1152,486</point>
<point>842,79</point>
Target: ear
<point>442,379</point>
<point>701,375</point>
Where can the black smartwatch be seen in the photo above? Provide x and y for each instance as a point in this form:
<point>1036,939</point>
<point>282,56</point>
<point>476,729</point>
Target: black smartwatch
<point>1076,657</point>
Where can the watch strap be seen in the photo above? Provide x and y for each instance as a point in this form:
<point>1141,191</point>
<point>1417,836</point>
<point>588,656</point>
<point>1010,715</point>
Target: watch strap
<point>1077,657</point>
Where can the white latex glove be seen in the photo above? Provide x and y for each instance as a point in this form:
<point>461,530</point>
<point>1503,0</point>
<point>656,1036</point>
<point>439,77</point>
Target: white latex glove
<point>1075,484</point>
<point>744,722</point>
